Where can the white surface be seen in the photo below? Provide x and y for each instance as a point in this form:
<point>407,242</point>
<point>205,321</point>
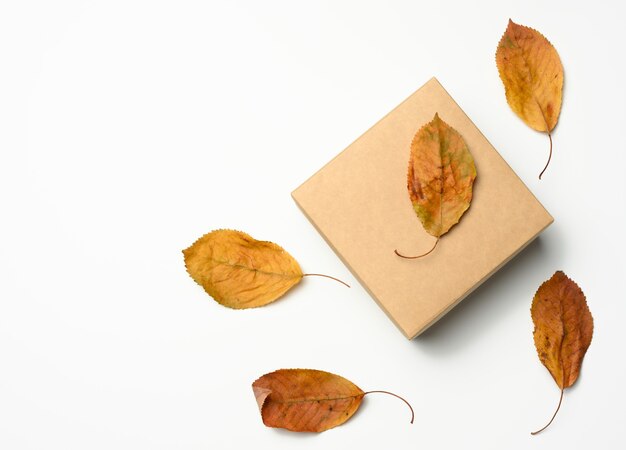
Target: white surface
<point>130,128</point>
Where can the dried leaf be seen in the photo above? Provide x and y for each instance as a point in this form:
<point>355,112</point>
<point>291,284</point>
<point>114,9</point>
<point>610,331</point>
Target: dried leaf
<point>532,73</point>
<point>307,399</point>
<point>563,329</point>
<point>440,178</point>
<point>240,272</point>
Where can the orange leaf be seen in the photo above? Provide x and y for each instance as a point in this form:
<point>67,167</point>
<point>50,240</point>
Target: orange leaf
<point>440,177</point>
<point>240,272</point>
<point>563,329</point>
<point>532,73</point>
<point>307,399</point>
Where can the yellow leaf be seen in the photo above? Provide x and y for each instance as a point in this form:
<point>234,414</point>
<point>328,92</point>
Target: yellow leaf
<point>563,329</point>
<point>532,73</point>
<point>440,177</point>
<point>240,272</point>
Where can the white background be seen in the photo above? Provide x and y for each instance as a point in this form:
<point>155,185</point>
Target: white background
<point>130,128</point>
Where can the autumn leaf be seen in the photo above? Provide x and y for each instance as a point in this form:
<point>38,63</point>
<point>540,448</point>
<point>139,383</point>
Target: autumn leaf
<point>563,330</point>
<point>240,272</point>
<point>532,73</point>
<point>308,399</point>
<point>440,178</point>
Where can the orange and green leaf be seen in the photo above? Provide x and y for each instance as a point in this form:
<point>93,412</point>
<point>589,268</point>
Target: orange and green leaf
<point>440,177</point>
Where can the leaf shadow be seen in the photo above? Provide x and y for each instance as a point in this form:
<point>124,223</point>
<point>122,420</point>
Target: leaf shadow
<point>486,305</point>
<point>287,434</point>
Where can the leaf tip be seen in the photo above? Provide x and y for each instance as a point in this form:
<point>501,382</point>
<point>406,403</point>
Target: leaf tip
<point>511,24</point>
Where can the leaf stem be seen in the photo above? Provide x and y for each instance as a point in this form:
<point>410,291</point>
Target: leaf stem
<point>549,157</point>
<point>325,276</point>
<point>418,256</point>
<point>553,416</point>
<point>397,396</point>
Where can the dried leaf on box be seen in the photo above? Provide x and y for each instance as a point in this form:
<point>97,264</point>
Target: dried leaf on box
<point>440,178</point>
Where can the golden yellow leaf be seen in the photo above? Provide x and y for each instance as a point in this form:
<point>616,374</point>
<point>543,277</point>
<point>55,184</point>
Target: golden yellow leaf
<point>240,272</point>
<point>532,73</point>
<point>308,399</point>
<point>563,329</point>
<point>440,177</point>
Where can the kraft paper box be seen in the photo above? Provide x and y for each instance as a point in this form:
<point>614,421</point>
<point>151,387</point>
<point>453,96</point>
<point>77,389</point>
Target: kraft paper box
<point>360,205</point>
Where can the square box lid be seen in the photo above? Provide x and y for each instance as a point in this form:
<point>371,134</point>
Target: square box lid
<point>360,205</point>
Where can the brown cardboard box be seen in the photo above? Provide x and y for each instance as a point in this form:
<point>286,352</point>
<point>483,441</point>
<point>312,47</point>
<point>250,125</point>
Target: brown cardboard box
<point>360,205</point>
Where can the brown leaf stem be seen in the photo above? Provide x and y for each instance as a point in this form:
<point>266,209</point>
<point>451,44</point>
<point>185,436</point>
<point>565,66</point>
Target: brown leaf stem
<point>397,396</point>
<point>549,157</point>
<point>325,276</point>
<point>418,256</point>
<point>553,416</point>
